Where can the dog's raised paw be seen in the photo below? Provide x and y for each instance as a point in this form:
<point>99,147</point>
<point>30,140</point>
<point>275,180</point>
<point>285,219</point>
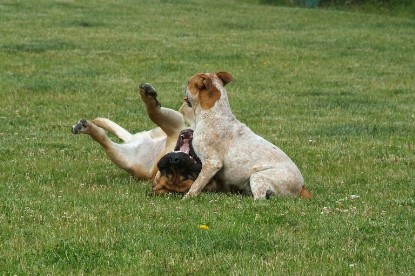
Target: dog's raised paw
<point>80,127</point>
<point>148,93</point>
<point>147,90</point>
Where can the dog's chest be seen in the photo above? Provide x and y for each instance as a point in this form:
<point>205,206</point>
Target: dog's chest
<point>211,141</point>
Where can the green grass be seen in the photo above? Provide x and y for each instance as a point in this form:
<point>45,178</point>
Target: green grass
<point>335,90</point>
<point>401,8</point>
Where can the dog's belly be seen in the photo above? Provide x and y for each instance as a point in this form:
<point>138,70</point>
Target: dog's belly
<point>144,148</point>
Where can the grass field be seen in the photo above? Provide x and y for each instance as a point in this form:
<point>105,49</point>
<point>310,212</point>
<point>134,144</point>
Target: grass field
<point>334,90</point>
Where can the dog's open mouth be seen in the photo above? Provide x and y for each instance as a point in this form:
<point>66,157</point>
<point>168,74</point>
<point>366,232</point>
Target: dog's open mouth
<point>186,99</point>
<point>183,159</point>
<point>184,144</point>
<point>185,147</point>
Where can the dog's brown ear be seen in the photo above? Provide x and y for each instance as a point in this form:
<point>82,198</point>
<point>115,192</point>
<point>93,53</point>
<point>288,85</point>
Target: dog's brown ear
<point>225,77</point>
<point>209,95</point>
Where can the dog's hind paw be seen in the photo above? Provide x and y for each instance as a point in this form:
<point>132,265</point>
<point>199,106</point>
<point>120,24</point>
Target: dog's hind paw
<point>148,94</point>
<point>80,127</point>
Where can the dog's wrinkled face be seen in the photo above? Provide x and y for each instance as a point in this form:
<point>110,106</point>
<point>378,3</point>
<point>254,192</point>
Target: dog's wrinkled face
<point>178,169</point>
<point>201,90</point>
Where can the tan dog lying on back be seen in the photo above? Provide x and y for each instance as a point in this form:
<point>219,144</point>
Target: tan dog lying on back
<point>233,152</point>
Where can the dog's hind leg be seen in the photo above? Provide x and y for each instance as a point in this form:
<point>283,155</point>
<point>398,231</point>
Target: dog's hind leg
<point>275,181</point>
<point>170,121</point>
<point>136,161</point>
<point>113,128</point>
<point>97,133</point>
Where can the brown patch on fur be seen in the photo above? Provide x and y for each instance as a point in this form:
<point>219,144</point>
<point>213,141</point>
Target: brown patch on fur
<point>202,84</point>
<point>171,183</point>
<point>195,84</point>
<point>176,183</point>
<point>209,95</point>
<point>305,193</point>
<point>225,77</point>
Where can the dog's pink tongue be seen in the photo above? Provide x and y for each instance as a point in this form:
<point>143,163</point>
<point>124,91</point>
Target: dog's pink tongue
<point>185,147</point>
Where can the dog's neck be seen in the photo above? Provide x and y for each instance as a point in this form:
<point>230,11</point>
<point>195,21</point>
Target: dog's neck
<point>220,111</point>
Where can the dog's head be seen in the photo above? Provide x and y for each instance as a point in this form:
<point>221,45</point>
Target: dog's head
<point>178,169</point>
<point>204,89</point>
<point>177,172</point>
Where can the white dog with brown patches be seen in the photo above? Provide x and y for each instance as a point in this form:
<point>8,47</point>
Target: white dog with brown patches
<point>233,152</point>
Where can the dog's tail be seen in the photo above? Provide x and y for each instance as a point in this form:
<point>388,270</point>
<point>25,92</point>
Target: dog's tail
<point>305,193</point>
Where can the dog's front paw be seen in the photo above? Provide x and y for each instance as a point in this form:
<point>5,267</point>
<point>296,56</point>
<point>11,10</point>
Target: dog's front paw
<point>189,195</point>
<point>186,196</point>
<point>80,127</point>
<point>148,94</point>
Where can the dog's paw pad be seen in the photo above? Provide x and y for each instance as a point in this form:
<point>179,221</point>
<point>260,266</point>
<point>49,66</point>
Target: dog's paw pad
<point>80,126</point>
<point>148,93</point>
<point>147,90</point>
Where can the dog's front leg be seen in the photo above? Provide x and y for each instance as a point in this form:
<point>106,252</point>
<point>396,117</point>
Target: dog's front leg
<point>170,121</point>
<point>209,169</point>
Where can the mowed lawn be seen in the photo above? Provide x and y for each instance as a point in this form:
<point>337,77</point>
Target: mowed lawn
<point>335,90</point>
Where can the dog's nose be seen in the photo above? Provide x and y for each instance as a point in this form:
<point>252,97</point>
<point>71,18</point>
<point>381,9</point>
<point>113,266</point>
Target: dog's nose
<point>174,160</point>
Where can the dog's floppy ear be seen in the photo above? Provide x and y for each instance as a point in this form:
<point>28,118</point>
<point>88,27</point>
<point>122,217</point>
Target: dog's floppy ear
<point>210,94</point>
<point>225,77</point>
